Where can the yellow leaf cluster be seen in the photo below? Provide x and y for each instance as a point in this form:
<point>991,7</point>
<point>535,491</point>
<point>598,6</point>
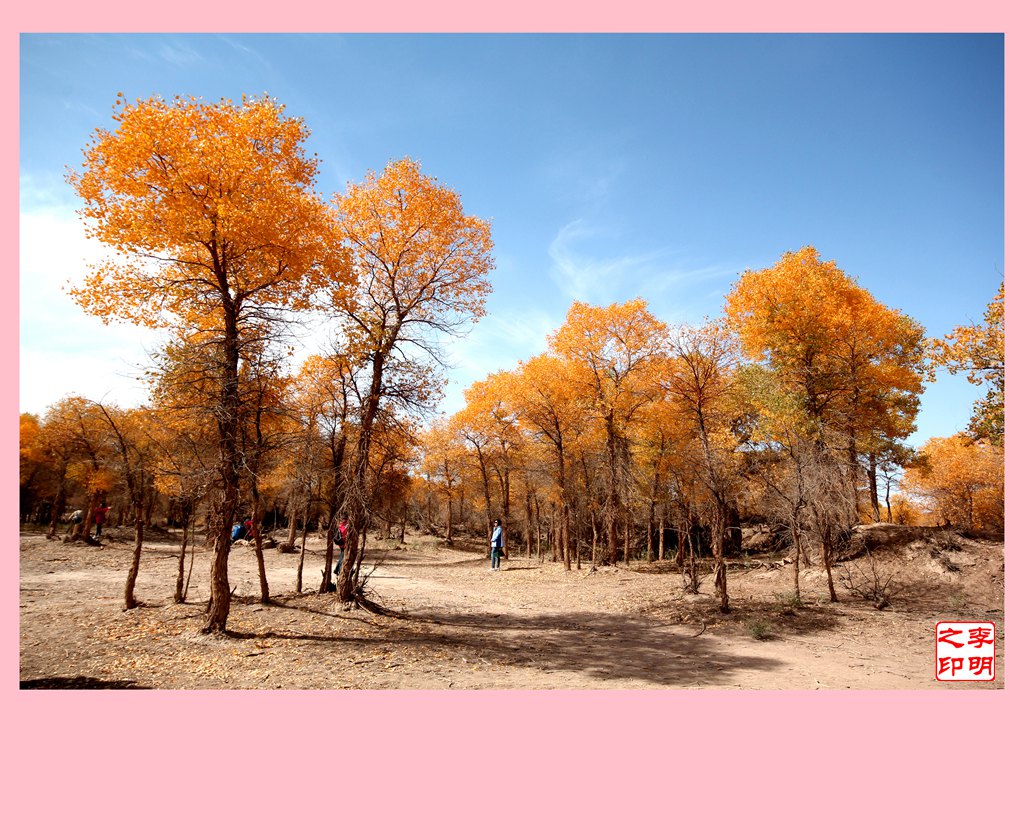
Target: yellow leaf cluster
<point>855,363</point>
<point>207,206</point>
<point>961,481</point>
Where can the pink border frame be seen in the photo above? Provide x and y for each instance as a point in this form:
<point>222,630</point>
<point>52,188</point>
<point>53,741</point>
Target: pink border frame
<point>499,754</point>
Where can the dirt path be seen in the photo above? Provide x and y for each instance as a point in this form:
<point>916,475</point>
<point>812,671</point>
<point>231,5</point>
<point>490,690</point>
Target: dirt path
<point>530,626</point>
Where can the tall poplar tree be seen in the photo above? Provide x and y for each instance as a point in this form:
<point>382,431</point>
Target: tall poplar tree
<point>214,224</point>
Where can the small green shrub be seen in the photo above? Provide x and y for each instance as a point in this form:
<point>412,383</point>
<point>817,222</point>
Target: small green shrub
<point>759,630</point>
<point>788,601</point>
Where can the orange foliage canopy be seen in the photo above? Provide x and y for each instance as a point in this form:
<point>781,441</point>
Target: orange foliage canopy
<point>853,361</point>
<point>961,480</point>
<point>980,350</point>
<point>615,355</point>
<point>421,261</point>
<point>209,207</point>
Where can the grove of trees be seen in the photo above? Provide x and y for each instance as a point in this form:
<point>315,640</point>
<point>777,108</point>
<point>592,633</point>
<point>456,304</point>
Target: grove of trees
<point>628,439</point>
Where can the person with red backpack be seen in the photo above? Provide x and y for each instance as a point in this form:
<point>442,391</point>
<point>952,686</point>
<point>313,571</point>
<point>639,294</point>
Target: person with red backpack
<point>100,516</point>
<point>341,541</point>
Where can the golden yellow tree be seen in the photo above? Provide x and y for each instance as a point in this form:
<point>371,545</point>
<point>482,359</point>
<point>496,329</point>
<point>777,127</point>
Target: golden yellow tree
<point>212,214</point>
<point>422,265</point>
<point>699,381</point>
<point>549,412</point>
<point>962,481</point>
<point>490,417</point>
<point>855,365</point>
<point>74,429</point>
<point>663,439</point>
<point>615,354</point>
<point>55,444</point>
<point>443,461</point>
<point>980,350</point>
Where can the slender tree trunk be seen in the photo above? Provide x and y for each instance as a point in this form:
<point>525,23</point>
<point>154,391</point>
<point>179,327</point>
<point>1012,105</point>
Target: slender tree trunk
<point>655,493</point>
<point>614,501</point>
<point>59,502</point>
<point>328,559</point>
<point>359,558</point>
<point>691,556</point>
<point>486,482</point>
<point>302,548</point>
<point>506,506</point>
<point>627,538</point>
<point>191,561</point>
<point>448,523</point>
<point>133,572</point>
<point>292,525</point>
<point>873,487</point>
<point>827,537</point>
<point>338,449</point>
<point>539,525</point>
<point>650,532</point>
<point>257,538</point>
<point>718,551</point>
<point>794,530</point>
<point>571,538</point>
<point>257,532</point>
<point>84,527</point>
<point>827,551</point>
<point>179,583</point>
<point>529,525</point>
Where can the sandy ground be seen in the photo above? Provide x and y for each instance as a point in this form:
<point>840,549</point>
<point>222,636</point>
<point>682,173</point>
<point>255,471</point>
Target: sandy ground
<point>531,626</point>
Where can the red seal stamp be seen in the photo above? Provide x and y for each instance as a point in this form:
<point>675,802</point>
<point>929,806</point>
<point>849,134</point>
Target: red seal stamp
<point>965,651</point>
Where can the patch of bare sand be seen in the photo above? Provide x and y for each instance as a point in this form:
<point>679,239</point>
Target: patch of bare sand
<point>531,626</point>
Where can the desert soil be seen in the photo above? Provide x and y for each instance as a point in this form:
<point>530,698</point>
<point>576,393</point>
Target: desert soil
<point>457,625</point>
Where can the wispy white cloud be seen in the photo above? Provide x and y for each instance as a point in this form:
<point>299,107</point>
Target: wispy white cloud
<point>497,342</point>
<point>63,350</point>
<point>588,278</point>
<point>252,53</point>
<point>171,51</point>
<point>78,107</point>
<point>179,55</point>
<point>660,275</point>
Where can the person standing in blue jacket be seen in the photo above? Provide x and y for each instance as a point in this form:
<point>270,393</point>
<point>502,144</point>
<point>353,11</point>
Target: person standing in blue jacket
<point>496,545</point>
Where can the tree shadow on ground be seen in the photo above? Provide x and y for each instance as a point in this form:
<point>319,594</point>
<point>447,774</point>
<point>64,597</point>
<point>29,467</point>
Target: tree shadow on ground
<point>665,646</point>
<point>78,683</point>
<point>609,649</point>
<point>312,637</point>
<point>599,646</point>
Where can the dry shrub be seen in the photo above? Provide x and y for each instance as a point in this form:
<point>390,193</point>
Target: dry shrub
<point>872,583</point>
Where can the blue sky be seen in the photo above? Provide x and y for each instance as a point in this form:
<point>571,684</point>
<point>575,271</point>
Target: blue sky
<point>611,166</point>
